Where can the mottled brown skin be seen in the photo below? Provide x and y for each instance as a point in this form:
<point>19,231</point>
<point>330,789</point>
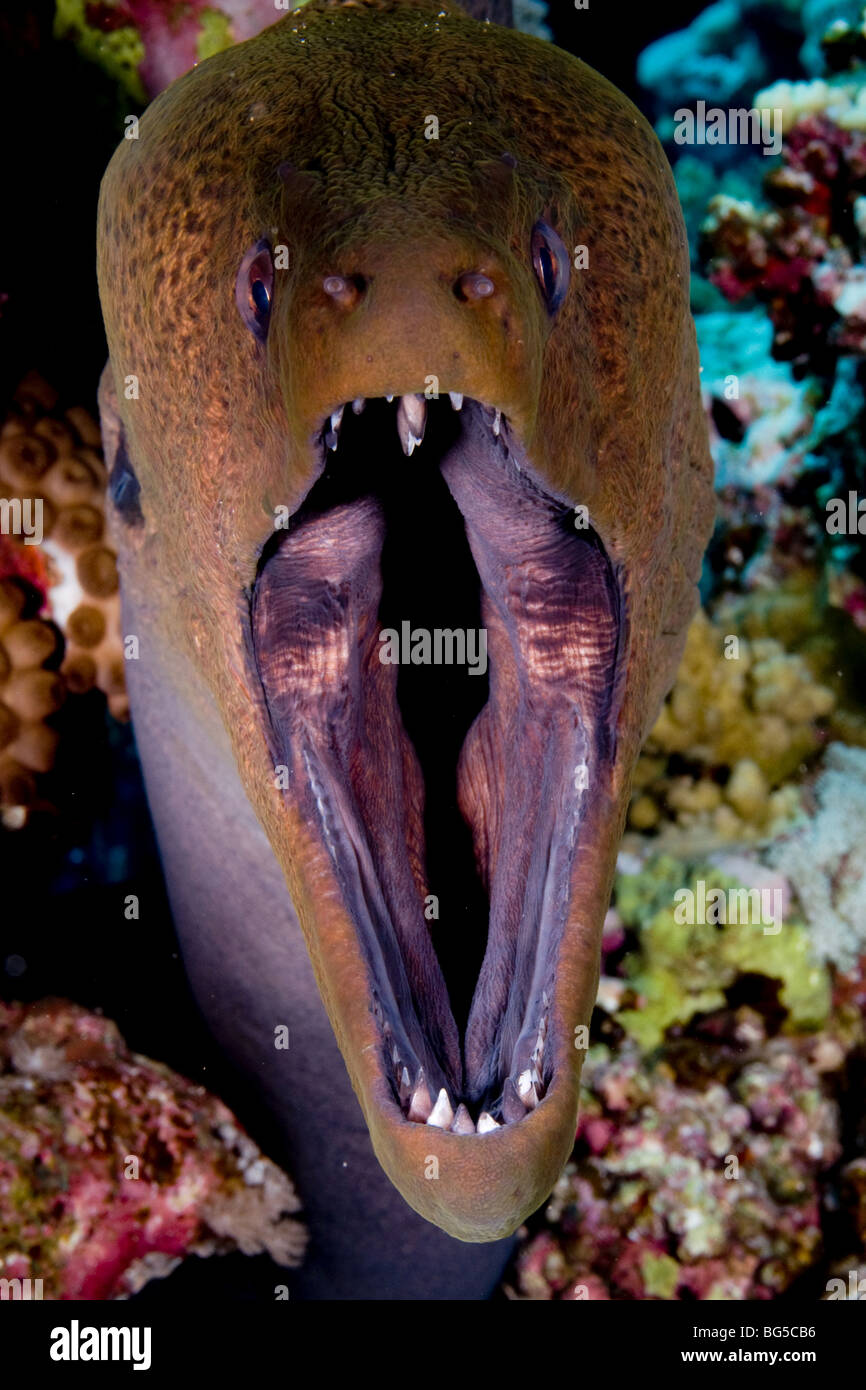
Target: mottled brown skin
<point>605,397</point>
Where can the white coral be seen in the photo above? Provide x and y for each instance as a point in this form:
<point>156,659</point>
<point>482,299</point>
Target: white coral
<point>825,859</point>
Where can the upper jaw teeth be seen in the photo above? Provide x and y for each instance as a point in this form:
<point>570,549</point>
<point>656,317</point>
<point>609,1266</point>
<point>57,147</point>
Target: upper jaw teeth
<point>411,419</point>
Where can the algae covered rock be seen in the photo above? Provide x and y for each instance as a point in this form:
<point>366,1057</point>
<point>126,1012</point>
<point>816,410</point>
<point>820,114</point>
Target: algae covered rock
<point>114,1168</point>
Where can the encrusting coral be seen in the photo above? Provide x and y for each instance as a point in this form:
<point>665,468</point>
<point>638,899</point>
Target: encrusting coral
<point>114,1168</point>
<point>687,959</point>
<point>710,1134</point>
<point>696,1186</point>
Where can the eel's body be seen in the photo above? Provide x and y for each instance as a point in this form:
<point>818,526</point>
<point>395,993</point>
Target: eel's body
<point>371,201</point>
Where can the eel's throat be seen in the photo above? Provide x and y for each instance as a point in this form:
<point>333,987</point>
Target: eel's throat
<point>454,863</point>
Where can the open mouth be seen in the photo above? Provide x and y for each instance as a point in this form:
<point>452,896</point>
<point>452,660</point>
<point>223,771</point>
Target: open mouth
<point>439,641</point>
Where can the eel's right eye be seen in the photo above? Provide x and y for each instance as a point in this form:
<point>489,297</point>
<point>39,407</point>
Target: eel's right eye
<point>254,289</point>
<point>550,261</point>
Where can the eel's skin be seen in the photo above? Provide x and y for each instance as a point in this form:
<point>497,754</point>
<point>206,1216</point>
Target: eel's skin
<point>313,134</point>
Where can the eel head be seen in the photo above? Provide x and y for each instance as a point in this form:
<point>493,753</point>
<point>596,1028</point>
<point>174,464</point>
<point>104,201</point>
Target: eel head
<point>409,462</point>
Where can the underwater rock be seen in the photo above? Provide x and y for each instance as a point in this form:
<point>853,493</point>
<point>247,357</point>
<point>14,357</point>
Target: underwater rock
<point>824,858</point>
<point>113,1168</point>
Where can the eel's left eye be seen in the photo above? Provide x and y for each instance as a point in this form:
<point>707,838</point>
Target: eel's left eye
<point>551,263</point>
<point>254,289</point>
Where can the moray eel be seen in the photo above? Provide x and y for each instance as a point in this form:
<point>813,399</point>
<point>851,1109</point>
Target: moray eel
<point>397,312</point>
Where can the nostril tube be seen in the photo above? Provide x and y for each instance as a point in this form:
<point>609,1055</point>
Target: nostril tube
<point>473,285</point>
<point>345,290</point>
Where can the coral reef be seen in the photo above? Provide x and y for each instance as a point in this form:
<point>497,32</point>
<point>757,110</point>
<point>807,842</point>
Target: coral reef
<point>719,58</point>
<point>799,257</point>
<point>742,717</point>
<point>30,693</point>
<point>701,1186</point>
<point>145,44</point>
<point>113,1168</point>
<point>59,599</point>
<point>707,1157</point>
<point>685,967</point>
<point>824,860</point>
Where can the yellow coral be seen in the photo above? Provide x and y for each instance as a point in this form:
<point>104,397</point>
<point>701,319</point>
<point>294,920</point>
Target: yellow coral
<point>735,699</point>
<point>741,704</point>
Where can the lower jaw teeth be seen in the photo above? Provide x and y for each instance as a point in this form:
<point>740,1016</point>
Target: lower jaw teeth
<point>521,1093</point>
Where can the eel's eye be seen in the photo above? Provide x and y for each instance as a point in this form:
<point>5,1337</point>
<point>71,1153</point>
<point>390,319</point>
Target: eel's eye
<point>124,488</point>
<point>550,259</point>
<point>254,289</point>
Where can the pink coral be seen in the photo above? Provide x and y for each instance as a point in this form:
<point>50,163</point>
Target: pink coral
<point>113,1168</point>
<point>703,1186</point>
<point>799,257</point>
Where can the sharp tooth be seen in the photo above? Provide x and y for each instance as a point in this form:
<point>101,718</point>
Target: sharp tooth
<point>420,1104</point>
<point>389,399</point>
<point>497,417</point>
<point>358,404</point>
<point>411,419</point>
<point>526,1089</point>
<point>456,399</point>
<point>512,1106</point>
<point>404,1085</point>
<point>333,435</point>
<point>395,1056</point>
<point>441,1115</point>
<point>486,1122</point>
<point>462,1121</point>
